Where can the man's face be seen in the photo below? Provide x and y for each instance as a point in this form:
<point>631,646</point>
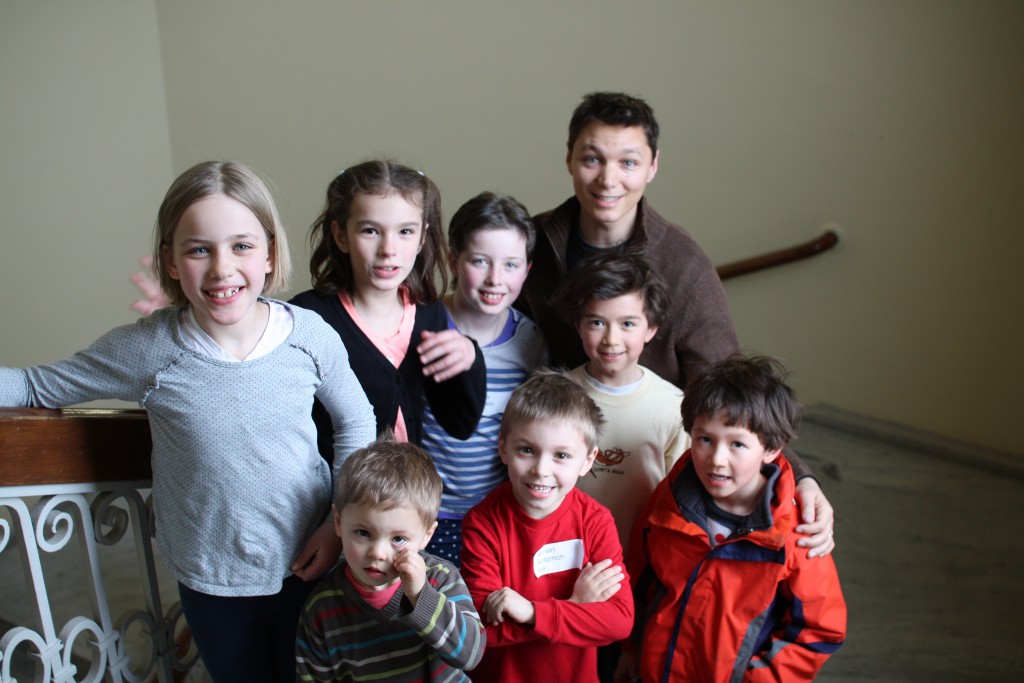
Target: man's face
<point>610,168</point>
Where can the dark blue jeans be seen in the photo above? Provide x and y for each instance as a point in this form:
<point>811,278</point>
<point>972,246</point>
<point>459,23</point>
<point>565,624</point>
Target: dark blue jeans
<point>247,639</point>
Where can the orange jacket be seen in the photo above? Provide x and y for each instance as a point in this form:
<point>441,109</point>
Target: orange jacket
<point>754,608</point>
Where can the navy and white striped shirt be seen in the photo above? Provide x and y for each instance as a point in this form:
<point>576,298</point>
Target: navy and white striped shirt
<point>471,469</point>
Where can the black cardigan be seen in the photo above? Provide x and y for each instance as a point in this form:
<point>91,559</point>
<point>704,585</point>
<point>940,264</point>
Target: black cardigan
<point>457,402</point>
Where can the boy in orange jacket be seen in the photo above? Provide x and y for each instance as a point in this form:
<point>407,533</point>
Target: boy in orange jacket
<point>722,591</point>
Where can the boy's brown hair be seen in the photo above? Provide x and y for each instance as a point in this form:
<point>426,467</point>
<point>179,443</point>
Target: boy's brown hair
<point>749,392</point>
<point>550,396</point>
<point>389,474</point>
<point>607,276</point>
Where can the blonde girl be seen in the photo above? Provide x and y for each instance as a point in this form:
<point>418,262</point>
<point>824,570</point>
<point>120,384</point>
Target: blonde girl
<point>227,377</point>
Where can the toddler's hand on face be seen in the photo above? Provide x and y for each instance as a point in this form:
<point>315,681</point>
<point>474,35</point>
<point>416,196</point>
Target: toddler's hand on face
<point>597,582</point>
<point>506,601</point>
<point>412,571</point>
<point>153,298</point>
<point>445,354</point>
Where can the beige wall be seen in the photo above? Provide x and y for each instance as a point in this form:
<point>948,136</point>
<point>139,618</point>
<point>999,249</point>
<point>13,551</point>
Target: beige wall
<point>84,159</point>
<point>898,121</point>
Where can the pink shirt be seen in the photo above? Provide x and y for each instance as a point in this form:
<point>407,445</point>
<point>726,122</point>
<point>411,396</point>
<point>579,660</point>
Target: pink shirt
<point>393,347</point>
<point>375,599</point>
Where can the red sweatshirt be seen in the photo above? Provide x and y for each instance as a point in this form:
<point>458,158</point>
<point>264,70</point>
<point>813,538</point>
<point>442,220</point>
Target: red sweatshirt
<point>540,560</point>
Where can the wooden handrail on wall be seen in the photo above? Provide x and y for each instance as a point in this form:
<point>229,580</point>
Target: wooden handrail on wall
<point>826,241</point>
<point>39,446</point>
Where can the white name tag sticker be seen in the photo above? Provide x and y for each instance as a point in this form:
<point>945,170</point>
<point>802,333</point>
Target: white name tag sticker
<point>558,557</point>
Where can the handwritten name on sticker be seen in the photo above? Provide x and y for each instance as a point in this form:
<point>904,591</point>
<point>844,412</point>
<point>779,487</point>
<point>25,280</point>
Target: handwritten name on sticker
<point>558,557</point>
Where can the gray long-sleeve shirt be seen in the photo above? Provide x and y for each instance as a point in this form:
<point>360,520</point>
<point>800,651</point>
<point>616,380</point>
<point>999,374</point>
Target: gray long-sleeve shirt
<point>238,484</point>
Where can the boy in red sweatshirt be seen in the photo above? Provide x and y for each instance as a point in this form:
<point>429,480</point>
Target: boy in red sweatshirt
<point>542,559</point>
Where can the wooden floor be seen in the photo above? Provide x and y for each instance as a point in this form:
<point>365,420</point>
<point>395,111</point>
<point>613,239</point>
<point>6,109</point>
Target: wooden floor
<point>929,553</point>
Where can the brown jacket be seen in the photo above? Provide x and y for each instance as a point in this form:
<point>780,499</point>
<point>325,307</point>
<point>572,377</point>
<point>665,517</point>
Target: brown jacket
<point>697,329</point>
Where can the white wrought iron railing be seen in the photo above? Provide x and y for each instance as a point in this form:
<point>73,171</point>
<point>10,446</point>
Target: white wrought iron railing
<point>74,497</point>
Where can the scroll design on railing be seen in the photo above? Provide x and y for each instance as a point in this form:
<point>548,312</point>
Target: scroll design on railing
<point>49,527</point>
<point>111,523</point>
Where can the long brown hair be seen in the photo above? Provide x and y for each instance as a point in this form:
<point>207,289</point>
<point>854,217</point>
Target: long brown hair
<point>331,268</point>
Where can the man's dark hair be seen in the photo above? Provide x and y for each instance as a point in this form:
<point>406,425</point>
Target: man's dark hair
<point>614,109</point>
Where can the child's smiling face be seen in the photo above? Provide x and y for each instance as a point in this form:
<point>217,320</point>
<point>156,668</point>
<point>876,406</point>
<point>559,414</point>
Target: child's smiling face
<point>220,254</point>
<point>544,458</point>
<point>490,270</point>
<point>614,332</point>
<point>382,238</point>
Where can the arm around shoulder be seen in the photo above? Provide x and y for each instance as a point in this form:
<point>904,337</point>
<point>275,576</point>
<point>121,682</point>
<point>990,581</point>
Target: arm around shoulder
<point>458,402</point>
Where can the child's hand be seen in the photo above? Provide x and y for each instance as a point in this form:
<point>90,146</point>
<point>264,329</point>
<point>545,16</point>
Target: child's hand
<point>320,553</point>
<point>626,671</point>
<point>506,601</point>
<point>445,354</point>
<point>413,572</point>
<point>153,298</point>
<point>817,516</point>
<point>597,582</point>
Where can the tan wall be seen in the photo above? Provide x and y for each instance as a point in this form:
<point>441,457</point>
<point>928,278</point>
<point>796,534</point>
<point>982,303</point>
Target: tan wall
<point>84,159</point>
<point>899,121</point>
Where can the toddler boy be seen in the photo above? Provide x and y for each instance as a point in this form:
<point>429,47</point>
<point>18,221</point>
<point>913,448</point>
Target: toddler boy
<point>388,611</point>
<point>716,546</point>
<point>542,560</point>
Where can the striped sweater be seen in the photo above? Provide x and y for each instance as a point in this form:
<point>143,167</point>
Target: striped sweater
<point>341,638</point>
